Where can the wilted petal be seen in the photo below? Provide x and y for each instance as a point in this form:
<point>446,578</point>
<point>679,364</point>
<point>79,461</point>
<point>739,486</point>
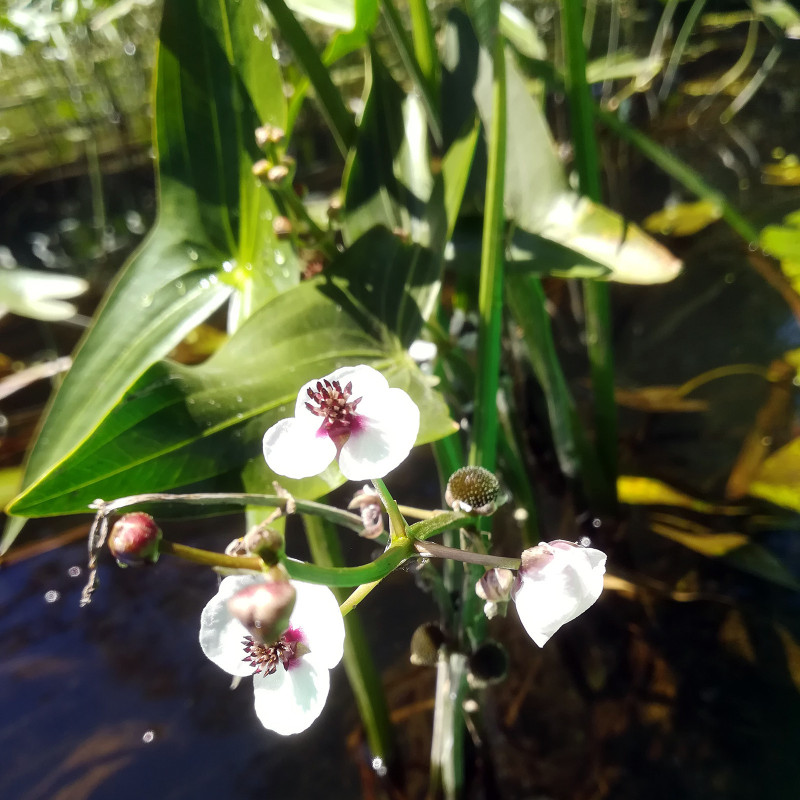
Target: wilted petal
<point>292,448</point>
<point>288,701</point>
<point>389,433</point>
<point>556,583</point>
<point>221,634</point>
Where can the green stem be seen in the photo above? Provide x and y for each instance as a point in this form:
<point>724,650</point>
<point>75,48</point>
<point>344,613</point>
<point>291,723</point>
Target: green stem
<point>433,550</point>
<point>359,665</point>
<point>397,525</point>
<point>333,108</point>
<point>596,294</point>
<point>335,515</point>
<point>483,451</point>
<point>425,43</point>
<point>300,570</point>
<point>681,172</point>
<point>408,56</point>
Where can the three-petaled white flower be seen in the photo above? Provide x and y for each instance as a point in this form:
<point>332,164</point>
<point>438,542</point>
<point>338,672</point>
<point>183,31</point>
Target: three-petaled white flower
<point>352,415</point>
<point>556,583</point>
<point>291,679</point>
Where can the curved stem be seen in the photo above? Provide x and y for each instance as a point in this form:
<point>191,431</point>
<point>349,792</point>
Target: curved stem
<point>357,595</point>
<point>397,525</point>
<point>336,515</point>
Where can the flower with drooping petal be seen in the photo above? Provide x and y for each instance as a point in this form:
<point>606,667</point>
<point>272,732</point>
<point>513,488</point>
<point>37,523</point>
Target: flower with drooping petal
<point>556,583</point>
<point>290,676</point>
<point>351,415</point>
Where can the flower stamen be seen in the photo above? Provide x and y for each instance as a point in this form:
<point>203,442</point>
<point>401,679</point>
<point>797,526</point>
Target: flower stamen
<point>266,658</point>
<point>334,404</point>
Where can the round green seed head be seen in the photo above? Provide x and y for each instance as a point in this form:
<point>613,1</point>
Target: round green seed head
<point>472,489</point>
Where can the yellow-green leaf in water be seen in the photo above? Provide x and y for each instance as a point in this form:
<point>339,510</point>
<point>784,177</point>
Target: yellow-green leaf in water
<point>639,491</point>
<point>778,480</point>
<point>708,544</point>
<point>683,219</point>
<point>658,399</point>
<point>785,173</point>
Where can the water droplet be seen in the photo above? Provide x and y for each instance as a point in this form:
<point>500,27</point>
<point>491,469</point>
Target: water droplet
<point>147,301</point>
<point>228,266</point>
<point>730,278</point>
<point>379,766</point>
<point>205,283</point>
<point>585,541</point>
<point>238,398</point>
<point>239,415</point>
<point>129,48</point>
<point>180,288</point>
<point>192,253</point>
<point>596,522</point>
<point>74,572</point>
<point>260,32</point>
<point>766,441</point>
<point>148,736</point>
<point>52,596</point>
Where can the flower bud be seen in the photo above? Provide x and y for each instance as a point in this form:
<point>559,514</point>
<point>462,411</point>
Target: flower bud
<point>278,173</point>
<point>487,665</point>
<point>368,501</point>
<point>425,644</point>
<point>265,543</point>
<point>269,134</point>
<point>495,588</point>
<point>264,609</point>
<point>473,490</point>
<point>134,540</point>
<point>261,168</point>
<point>282,227</point>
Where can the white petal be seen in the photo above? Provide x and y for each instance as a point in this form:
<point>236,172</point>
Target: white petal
<point>390,430</point>
<point>288,701</point>
<point>293,449</point>
<point>221,634</point>
<point>549,596</point>
<point>366,381</point>
<point>316,613</point>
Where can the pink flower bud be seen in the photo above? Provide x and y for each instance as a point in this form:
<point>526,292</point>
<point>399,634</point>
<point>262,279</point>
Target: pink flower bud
<point>264,609</point>
<point>495,588</point>
<point>134,539</point>
<point>556,583</point>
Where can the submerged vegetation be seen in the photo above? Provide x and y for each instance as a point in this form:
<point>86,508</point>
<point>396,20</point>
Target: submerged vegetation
<point>557,242</point>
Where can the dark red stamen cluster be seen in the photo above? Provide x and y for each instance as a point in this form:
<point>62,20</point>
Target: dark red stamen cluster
<point>335,406</point>
<point>266,657</point>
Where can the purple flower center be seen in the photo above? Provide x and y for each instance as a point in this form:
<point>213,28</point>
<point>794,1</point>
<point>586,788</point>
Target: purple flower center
<point>287,651</point>
<point>336,407</point>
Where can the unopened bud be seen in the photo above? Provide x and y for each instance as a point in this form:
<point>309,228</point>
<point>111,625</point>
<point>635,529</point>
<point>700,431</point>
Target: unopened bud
<point>282,226</point>
<point>495,588</point>
<point>236,548</point>
<point>487,665</point>
<point>134,539</point>
<point>265,543</point>
<point>269,134</point>
<point>261,168</point>
<point>473,490</point>
<point>368,501</point>
<point>335,208</point>
<point>264,609</point>
<point>278,173</point>
<point>425,644</point>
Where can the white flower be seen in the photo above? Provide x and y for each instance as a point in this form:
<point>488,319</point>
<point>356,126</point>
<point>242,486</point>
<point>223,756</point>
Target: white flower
<point>556,583</point>
<point>292,681</point>
<point>352,415</point>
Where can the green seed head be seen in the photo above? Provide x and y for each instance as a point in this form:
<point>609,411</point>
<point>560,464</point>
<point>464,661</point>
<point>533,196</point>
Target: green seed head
<point>473,490</point>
